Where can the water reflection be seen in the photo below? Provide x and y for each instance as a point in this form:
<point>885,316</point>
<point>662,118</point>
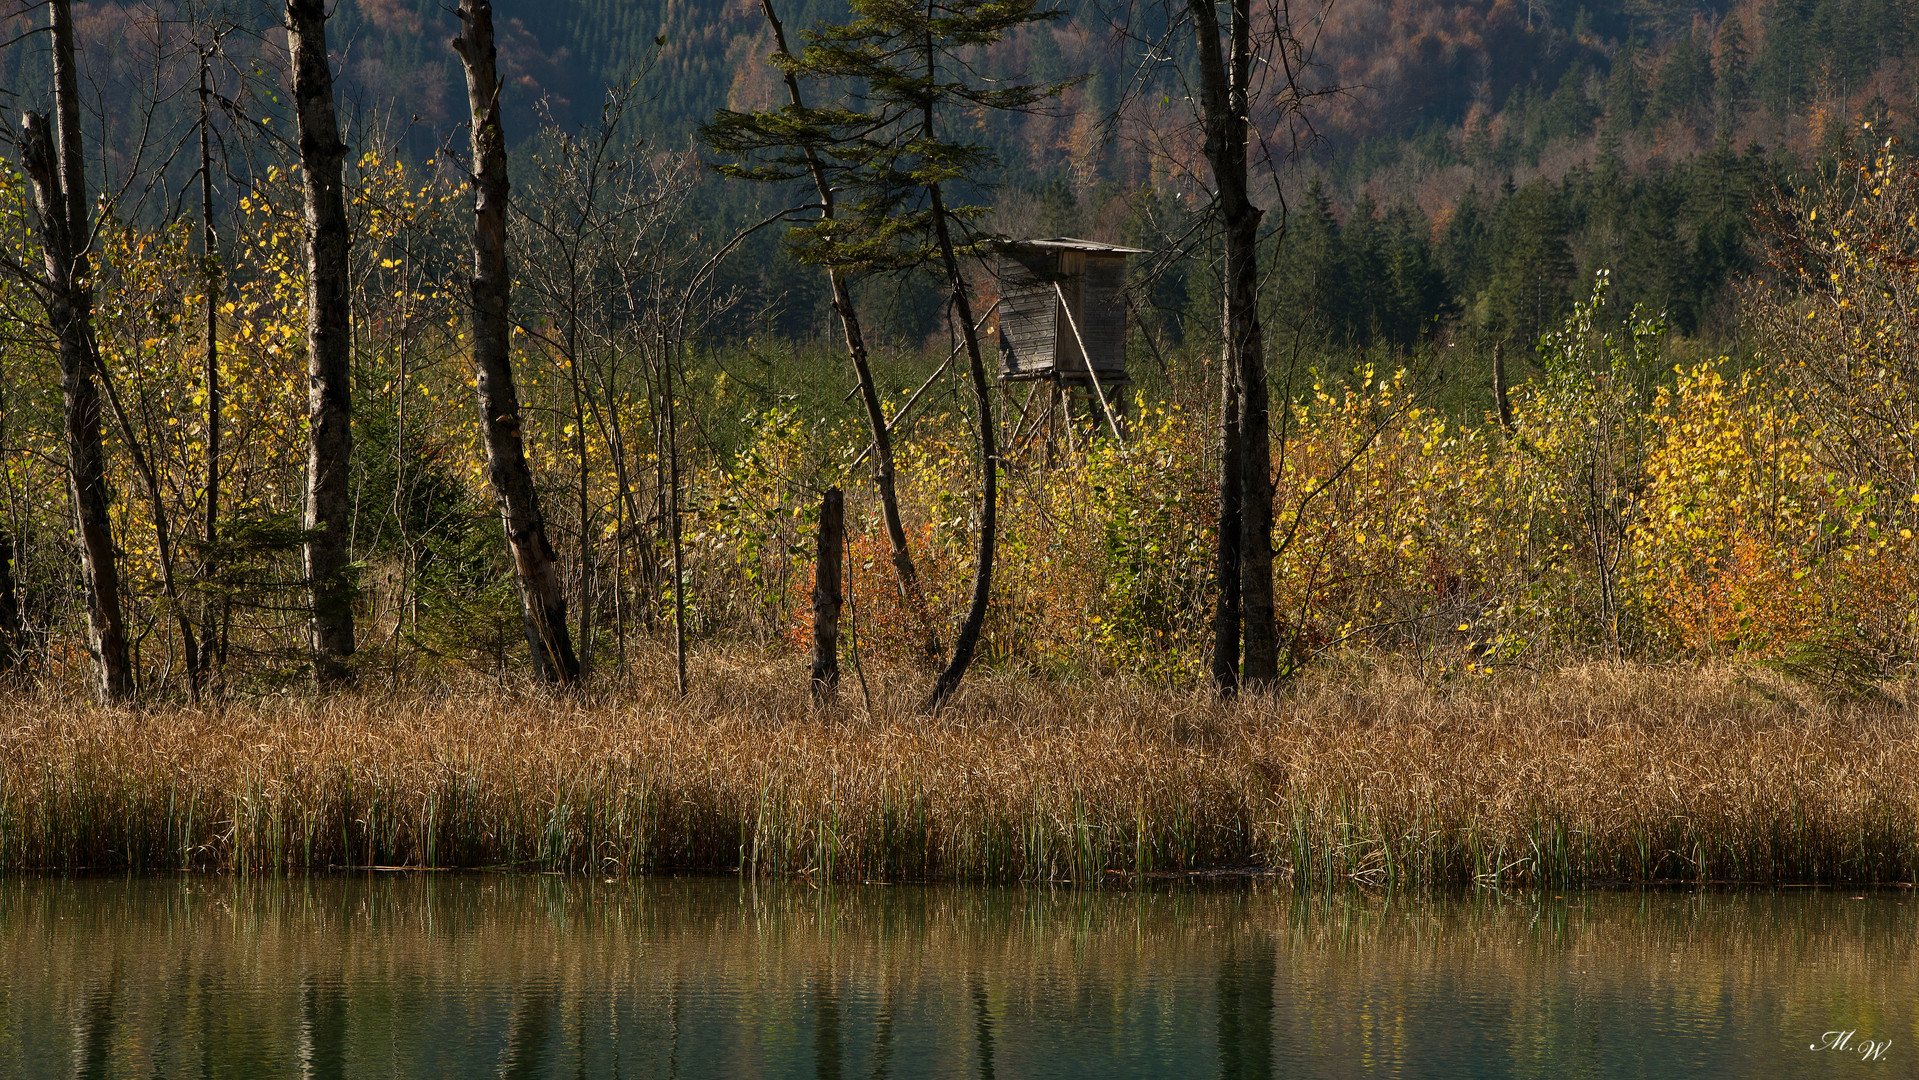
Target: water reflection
<point>1246,973</point>
<point>418,975</point>
<point>323,1018</point>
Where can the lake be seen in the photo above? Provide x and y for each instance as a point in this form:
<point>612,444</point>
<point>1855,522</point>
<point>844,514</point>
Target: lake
<point>428,975</point>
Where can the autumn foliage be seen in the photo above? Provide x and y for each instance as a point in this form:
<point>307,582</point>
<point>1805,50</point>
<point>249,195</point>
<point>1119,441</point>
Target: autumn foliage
<point>1631,511</point>
<point>1756,512</point>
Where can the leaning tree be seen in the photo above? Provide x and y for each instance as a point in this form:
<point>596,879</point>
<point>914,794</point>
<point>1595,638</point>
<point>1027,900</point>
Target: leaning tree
<point>542,599</point>
<point>887,165</point>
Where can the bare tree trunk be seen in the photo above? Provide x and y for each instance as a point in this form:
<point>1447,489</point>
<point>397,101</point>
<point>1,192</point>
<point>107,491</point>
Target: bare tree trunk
<point>1500,397</point>
<point>60,193</point>
<point>1226,568</point>
<point>828,596</point>
<point>541,596</point>
<point>210,567</point>
<point>12,633</point>
<point>656,421</point>
<point>12,639</point>
<point>162,535</point>
<point>329,342</point>
<point>883,470</point>
<point>1223,83</point>
<point>1258,631</point>
<point>968,639</point>
<point>626,512</point>
<point>584,547</point>
<point>884,473</point>
<point>672,436</point>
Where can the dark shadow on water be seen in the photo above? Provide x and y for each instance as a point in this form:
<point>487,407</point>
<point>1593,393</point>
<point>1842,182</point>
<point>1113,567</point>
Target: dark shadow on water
<point>982,1028</point>
<point>96,1030</point>
<point>1246,972</point>
<point>826,1031</point>
<point>528,1033</point>
<point>883,1036</point>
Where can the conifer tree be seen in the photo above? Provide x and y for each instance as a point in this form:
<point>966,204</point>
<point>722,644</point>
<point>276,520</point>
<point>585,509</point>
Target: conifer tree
<point>794,136</point>
<point>1625,89</point>
<point>1684,82</point>
<point>1731,71</point>
<point>895,154</point>
<point>1535,268</point>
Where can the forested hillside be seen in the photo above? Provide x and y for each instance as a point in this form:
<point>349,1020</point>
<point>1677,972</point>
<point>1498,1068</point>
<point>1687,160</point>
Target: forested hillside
<point>1478,163</point>
<point>1479,160</point>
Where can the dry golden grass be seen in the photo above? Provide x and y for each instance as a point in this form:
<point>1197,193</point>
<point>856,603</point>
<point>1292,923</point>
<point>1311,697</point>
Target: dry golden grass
<point>1590,774</point>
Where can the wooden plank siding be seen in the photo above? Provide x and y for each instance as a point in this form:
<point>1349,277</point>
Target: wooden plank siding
<point>1101,311</point>
<point>1036,339</point>
<point>1029,319</point>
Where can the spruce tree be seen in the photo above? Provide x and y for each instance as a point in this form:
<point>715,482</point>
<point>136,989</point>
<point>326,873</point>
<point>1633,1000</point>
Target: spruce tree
<point>1625,89</point>
<point>1529,291</point>
<point>890,146</point>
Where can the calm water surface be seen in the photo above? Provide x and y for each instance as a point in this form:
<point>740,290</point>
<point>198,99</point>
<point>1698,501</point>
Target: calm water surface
<point>493,975</point>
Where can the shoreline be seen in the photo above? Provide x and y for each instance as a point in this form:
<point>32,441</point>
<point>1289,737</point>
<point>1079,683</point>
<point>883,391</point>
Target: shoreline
<point>1617,774</point>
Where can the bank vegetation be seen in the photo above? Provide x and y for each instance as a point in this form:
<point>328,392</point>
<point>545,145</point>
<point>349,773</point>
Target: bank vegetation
<point>1598,773</point>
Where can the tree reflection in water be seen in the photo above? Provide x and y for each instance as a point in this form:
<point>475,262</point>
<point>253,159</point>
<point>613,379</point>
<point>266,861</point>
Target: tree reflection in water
<point>450,975</point>
<point>1246,973</point>
<point>323,1029</point>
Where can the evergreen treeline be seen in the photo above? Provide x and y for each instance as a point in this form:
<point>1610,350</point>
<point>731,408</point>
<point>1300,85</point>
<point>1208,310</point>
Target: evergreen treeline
<point>1509,262</point>
<point>1488,155</point>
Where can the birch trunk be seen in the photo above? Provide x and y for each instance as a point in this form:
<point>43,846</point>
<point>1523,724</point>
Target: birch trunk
<point>329,342</point>
<point>542,599</point>
<point>58,175</point>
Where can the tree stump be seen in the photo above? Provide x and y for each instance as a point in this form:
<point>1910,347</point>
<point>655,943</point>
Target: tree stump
<point>828,596</point>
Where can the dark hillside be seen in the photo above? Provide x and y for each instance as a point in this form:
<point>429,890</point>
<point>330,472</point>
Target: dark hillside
<point>1482,160</point>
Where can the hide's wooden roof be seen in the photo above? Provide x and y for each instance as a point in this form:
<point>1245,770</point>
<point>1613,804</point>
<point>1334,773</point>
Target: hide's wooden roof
<point>1068,243</point>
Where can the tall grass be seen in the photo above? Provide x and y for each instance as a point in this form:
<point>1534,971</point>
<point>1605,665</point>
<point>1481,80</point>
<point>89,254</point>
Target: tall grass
<point>1594,773</point>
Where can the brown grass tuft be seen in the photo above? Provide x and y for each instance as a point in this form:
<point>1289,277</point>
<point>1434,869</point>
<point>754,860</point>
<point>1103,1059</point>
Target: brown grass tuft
<point>1594,773</point>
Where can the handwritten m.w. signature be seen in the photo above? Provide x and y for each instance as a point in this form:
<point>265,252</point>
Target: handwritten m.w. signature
<point>1841,1042</point>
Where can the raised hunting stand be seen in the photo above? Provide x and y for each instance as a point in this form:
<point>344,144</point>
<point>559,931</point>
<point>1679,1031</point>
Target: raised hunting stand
<point>1062,320</point>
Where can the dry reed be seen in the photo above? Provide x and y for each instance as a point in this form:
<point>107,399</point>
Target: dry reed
<point>1596,773</point>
